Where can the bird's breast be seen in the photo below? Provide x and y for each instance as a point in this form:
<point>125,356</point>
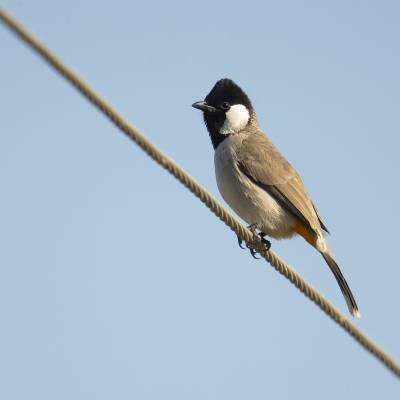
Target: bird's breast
<point>253,204</point>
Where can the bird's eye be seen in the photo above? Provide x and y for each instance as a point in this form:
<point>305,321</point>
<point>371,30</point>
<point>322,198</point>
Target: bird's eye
<point>225,106</point>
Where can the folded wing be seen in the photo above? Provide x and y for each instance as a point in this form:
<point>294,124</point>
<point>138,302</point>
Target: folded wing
<point>263,164</point>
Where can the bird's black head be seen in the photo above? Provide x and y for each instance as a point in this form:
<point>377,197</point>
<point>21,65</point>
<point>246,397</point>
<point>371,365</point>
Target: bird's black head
<point>226,109</point>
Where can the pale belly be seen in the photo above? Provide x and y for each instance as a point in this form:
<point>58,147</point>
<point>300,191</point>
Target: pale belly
<point>253,204</point>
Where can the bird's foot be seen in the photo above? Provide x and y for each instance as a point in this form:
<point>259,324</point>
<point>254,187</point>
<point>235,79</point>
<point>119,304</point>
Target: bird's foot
<point>253,228</point>
<point>264,241</point>
<point>252,251</point>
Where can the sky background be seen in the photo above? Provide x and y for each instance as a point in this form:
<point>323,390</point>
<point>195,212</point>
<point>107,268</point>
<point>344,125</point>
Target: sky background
<point>115,282</point>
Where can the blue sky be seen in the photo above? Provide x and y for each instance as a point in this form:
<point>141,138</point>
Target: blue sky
<point>115,281</point>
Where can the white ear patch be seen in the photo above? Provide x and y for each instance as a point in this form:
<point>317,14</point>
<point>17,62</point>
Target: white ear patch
<point>236,118</point>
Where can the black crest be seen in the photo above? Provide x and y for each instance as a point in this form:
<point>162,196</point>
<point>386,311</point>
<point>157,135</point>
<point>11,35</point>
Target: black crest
<point>229,91</point>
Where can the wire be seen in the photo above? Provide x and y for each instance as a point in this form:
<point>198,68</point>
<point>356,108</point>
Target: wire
<point>199,191</point>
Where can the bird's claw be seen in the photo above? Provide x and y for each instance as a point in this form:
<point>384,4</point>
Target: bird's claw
<point>253,253</point>
<point>240,241</point>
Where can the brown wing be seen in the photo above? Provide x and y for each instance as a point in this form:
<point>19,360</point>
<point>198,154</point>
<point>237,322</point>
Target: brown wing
<point>261,162</point>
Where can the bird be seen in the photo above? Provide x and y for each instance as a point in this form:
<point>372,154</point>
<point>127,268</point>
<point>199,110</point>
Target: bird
<point>256,180</point>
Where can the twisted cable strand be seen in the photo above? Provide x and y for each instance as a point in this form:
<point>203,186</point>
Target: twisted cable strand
<point>171,166</point>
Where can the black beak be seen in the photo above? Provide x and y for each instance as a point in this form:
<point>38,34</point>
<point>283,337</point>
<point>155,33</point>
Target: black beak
<point>203,106</point>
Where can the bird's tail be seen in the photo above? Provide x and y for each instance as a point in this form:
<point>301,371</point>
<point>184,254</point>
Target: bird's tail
<point>344,287</point>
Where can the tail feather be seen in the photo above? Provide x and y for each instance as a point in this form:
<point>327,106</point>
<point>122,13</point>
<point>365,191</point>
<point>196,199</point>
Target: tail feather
<point>344,287</point>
